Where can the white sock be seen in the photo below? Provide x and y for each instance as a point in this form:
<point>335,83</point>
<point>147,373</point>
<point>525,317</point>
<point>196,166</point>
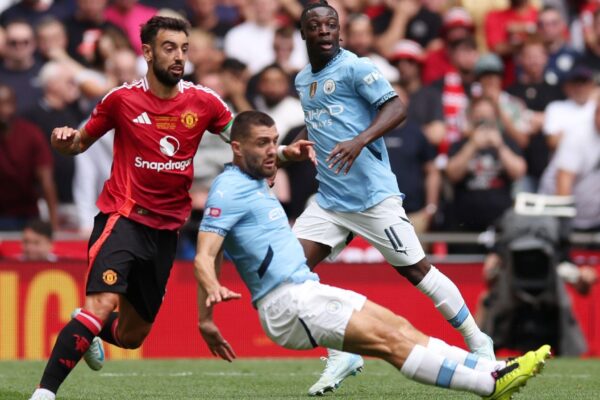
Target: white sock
<point>447,299</point>
<point>425,366</point>
<point>463,357</point>
<point>45,392</point>
<point>333,352</point>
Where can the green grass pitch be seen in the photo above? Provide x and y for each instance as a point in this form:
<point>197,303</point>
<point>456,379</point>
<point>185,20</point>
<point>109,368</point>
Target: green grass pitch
<point>570,379</point>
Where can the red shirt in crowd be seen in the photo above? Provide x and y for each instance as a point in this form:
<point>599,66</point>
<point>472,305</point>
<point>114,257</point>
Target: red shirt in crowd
<point>155,142</point>
<point>23,151</point>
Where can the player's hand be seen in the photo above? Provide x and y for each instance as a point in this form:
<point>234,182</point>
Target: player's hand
<point>219,294</point>
<point>301,150</point>
<point>218,346</point>
<point>63,138</point>
<point>343,155</point>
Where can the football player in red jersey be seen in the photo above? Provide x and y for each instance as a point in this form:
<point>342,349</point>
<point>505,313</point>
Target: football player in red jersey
<point>158,122</point>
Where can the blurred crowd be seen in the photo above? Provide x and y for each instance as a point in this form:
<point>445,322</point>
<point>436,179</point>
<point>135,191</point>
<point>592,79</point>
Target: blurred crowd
<point>501,97</point>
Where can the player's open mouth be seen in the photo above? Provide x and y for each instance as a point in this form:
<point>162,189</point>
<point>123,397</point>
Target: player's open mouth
<point>178,69</point>
<point>326,46</point>
<point>270,163</point>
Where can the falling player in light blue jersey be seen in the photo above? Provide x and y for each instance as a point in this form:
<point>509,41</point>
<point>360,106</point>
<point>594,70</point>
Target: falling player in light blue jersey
<point>348,107</point>
<point>244,219</point>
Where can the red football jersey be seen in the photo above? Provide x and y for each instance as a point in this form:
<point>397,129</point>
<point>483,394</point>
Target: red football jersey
<point>155,142</point>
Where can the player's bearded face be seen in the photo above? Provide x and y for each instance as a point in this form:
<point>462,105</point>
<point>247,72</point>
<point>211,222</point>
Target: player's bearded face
<point>260,152</point>
<point>169,75</point>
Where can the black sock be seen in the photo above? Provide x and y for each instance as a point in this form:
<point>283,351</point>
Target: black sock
<point>109,332</point>
<point>72,342</point>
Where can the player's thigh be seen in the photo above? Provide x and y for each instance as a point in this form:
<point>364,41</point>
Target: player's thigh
<point>131,324</point>
<point>149,276</point>
<point>109,255</point>
<point>320,226</point>
<point>307,315</point>
<point>386,227</point>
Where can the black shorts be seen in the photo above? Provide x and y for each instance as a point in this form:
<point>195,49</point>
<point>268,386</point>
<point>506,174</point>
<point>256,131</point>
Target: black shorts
<point>131,259</point>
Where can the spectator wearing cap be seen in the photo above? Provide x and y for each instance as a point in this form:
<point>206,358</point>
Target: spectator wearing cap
<point>533,88</point>
<point>407,19</point>
<point>360,40</point>
<point>564,118</point>
<point>513,116</point>
<point>457,26</point>
<point>408,56</point>
<point>561,56</point>
<point>577,161</point>
<point>507,29</point>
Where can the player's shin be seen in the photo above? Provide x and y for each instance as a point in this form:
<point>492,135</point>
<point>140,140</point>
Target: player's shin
<point>425,366</point>
<point>72,342</point>
<point>450,303</point>
<point>463,357</point>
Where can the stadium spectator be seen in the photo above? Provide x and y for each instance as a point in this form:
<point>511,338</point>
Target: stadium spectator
<point>50,35</point>
<point>25,166</point>
<point>204,57</point>
<point>283,46</point>
<point>360,40</point>
<point>37,243</point>
<point>412,159</point>
<point>457,27</point>
<point>129,15</point>
<point>507,29</point>
<point>19,67</point>
<point>251,42</point>
<point>482,167</point>
<point>577,161</point>
<point>533,87</point>
<point>513,115</point>
<point>58,107</point>
<point>453,89</point>
<point>591,56</point>
<point>203,15</point>
<point>295,310</point>
<point>407,19</point>
<point>349,106</point>
<point>33,11</point>
<point>273,98</point>
<point>553,30</point>
<point>85,27</point>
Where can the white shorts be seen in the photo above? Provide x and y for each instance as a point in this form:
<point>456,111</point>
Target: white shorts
<point>307,315</point>
<point>385,226</point>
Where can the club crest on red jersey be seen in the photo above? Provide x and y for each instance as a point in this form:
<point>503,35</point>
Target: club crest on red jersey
<point>189,119</point>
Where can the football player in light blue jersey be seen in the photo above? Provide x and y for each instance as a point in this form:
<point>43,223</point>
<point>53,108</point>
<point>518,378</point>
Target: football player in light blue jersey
<point>348,107</point>
<point>244,219</point>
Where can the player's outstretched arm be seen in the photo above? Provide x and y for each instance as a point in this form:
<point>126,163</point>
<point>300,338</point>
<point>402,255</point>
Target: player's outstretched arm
<point>391,114</point>
<point>299,150</point>
<point>69,141</point>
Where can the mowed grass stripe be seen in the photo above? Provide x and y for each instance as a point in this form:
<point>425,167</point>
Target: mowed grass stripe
<point>571,379</point>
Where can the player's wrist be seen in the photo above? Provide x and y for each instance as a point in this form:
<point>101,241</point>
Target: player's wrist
<point>431,209</point>
<point>280,153</point>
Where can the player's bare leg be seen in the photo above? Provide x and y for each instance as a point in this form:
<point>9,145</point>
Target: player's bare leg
<point>407,350</point>
<point>449,302</point>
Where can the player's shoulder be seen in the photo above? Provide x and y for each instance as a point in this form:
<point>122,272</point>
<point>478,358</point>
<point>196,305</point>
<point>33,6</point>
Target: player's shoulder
<point>126,89</point>
<point>232,184</point>
<point>193,89</point>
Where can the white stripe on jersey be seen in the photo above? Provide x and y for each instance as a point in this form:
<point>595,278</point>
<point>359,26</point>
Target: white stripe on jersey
<point>134,84</point>
<point>190,85</point>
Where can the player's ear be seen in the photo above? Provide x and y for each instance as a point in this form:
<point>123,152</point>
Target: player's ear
<point>147,52</point>
<point>236,148</point>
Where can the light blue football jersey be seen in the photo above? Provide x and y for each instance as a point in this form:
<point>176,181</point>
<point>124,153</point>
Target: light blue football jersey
<point>258,238</point>
<point>339,103</point>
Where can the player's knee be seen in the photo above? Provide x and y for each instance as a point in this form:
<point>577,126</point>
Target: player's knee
<point>132,340</point>
<point>394,342</point>
<point>101,304</point>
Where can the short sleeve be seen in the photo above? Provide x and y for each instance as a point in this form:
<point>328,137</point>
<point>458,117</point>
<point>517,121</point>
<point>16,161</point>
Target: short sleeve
<point>222,117</point>
<point>102,118</point>
<point>565,159</point>
<point>370,83</point>
<point>224,208</point>
<point>553,118</point>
